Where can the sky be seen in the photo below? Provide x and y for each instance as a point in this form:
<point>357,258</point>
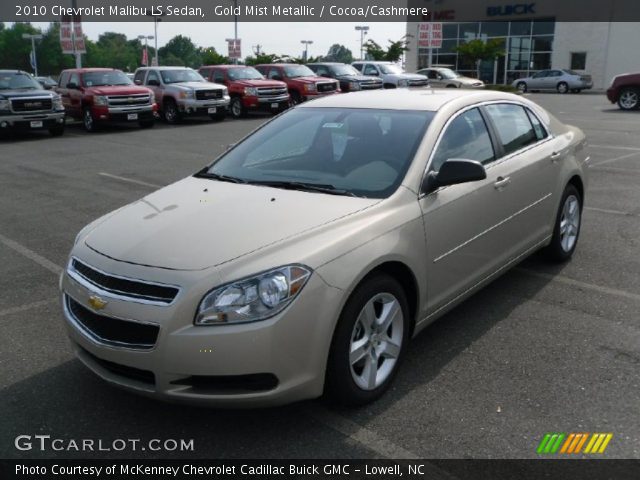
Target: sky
<point>274,37</point>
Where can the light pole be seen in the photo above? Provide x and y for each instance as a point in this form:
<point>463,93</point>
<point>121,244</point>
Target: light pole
<point>363,29</point>
<point>157,17</point>
<point>33,38</point>
<point>306,44</point>
<point>146,39</point>
<point>235,29</point>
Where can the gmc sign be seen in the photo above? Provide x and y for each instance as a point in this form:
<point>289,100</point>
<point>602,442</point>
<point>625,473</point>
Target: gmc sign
<point>514,9</point>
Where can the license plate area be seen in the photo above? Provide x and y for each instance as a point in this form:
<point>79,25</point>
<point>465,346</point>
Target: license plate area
<point>132,116</point>
<point>36,124</point>
<point>212,110</point>
<point>274,105</point>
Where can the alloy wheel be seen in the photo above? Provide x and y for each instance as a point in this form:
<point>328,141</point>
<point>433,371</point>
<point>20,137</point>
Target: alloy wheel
<point>236,108</point>
<point>522,87</point>
<point>569,223</point>
<point>88,121</point>
<point>563,87</point>
<point>629,99</point>
<point>376,341</point>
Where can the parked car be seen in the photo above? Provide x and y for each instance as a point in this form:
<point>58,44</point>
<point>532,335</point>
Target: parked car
<point>105,95</point>
<point>47,82</point>
<point>248,89</point>
<point>302,83</point>
<point>391,74</point>
<point>304,258</point>
<point>560,80</point>
<point>351,80</point>
<point>447,78</point>
<point>182,91</point>
<point>625,91</point>
<point>25,105</point>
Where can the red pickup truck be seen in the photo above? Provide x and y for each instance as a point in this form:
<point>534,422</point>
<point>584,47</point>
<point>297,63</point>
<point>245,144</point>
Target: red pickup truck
<point>248,89</point>
<point>303,84</point>
<point>100,95</point>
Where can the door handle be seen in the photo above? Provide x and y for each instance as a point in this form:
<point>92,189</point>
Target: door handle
<point>555,156</point>
<point>502,182</point>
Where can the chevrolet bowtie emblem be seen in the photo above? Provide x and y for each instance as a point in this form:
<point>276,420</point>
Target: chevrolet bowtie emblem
<point>96,302</point>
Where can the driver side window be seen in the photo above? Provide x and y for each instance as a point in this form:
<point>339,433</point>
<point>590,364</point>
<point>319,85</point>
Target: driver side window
<point>370,70</point>
<point>466,137</point>
<point>153,75</point>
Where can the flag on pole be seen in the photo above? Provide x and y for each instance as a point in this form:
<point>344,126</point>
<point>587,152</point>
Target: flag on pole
<point>32,59</point>
<point>145,57</point>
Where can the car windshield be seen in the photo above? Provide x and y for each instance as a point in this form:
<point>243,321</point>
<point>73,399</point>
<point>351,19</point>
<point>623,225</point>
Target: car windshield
<point>448,74</point>
<point>294,71</point>
<point>18,81</point>
<point>246,73</point>
<point>346,151</point>
<point>390,68</point>
<point>344,70</point>
<point>181,75</point>
<point>106,78</point>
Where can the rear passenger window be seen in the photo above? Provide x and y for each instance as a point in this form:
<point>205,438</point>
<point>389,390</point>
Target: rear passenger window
<point>513,126</point>
<point>541,132</point>
<point>466,137</point>
<point>139,77</point>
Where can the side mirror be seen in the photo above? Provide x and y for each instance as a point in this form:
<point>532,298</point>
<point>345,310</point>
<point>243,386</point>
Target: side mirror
<point>153,82</point>
<point>137,81</point>
<point>452,172</point>
<point>72,85</point>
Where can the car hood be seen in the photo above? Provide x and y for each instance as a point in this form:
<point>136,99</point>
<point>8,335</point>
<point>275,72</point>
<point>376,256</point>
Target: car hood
<point>196,85</point>
<point>467,80</point>
<point>312,79</point>
<point>24,93</point>
<point>407,76</point>
<point>198,223</point>
<point>359,78</point>
<point>259,83</point>
<point>117,90</point>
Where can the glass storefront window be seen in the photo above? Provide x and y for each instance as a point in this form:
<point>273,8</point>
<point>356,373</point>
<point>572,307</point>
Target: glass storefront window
<point>519,44</point>
<point>494,29</point>
<point>521,28</point>
<point>469,31</point>
<point>448,46</point>
<point>544,27</point>
<point>540,61</point>
<point>449,30</point>
<point>543,44</point>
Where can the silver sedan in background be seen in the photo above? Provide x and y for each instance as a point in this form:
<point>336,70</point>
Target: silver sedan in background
<point>561,80</point>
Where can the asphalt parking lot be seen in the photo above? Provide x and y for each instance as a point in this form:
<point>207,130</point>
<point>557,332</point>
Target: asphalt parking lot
<point>545,348</point>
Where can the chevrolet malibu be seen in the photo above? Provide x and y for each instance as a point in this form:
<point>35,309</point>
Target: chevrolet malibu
<point>302,260</point>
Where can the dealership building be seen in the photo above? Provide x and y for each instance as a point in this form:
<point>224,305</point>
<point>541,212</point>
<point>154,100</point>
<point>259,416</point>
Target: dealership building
<point>535,38</point>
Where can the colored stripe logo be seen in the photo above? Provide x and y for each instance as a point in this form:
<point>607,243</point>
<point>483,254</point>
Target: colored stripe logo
<point>573,443</point>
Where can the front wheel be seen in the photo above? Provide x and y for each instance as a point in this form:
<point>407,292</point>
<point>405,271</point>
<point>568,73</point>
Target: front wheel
<point>522,87</point>
<point>295,98</point>
<point>567,226</point>
<point>237,108</point>
<point>368,342</point>
<point>629,99</point>
<point>89,123</point>
<point>171,113</point>
<point>562,87</point>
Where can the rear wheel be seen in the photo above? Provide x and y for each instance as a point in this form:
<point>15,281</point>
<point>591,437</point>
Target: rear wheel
<point>522,87</point>
<point>629,99</point>
<point>562,87</point>
<point>238,110</point>
<point>171,113</point>
<point>369,342</point>
<point>89,123</point>
<point>567,226</point>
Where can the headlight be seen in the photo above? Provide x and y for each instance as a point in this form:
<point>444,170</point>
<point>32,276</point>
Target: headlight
<point>225,92</point>
<point>152,97</point>
<point>251,91</point>
<point>57,103</point>
<point>187,94</point>
<point>100,100</point>
<point>354,86</point>
<point>403,83</point>
<point>310,87</point>
<point>4,104</point>
<point>252,299</point>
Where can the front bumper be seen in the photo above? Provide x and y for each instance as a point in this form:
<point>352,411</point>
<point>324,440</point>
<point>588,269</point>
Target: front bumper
<point>612,95</point>
<point>279,102</point>
<point>30,121</point>
<point>132,113</point>
<point>271,362</point>
<point>312,95</point>
<point>203,107</point>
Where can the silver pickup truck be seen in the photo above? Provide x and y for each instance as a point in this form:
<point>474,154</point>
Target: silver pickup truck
<point>26,105</point>
<point>182,91</point>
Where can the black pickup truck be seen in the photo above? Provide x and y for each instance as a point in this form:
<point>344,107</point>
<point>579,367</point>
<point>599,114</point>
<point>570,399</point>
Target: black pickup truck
<point>26,105</point>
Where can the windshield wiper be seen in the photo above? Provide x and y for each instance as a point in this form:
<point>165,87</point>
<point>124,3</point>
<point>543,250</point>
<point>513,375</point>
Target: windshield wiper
<point>303,186</point>
<point>216,176</point>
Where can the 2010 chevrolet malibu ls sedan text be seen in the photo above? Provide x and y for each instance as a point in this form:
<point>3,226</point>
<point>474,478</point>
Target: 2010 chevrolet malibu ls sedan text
<point>304,258</point>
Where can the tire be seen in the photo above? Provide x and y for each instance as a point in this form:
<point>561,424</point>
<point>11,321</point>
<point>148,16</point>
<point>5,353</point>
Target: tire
<point>147,123</point>
<point>57,131</point>
<point>389,86</point>
<point>90,125</point>
<point>562,87</point>
<point>238,110</point>
<point>295,98</point>
<point>171,113</point>
<point>522,87</point>
<point>629,99</point>
<point>356,383</point>
<point>451,86</point>
<point>566,230</point>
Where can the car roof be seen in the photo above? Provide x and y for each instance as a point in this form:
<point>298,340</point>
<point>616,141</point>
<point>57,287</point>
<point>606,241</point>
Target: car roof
<point>280,65</point>
<point>166,67</point>
<point>89,70</point>
<point>227,67</point>
<point>408,99</point>
<point>379,62</point>
<point>326,63</point>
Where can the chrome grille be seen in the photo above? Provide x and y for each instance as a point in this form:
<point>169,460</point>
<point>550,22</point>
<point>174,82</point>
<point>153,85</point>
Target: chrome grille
<point>34,104</point>
<point>129,100</point>
<point>418,83</point>
<point>208,94</point>
<point>369,85</point>
<point>271,91</point>
<point>327,87</point>
<point>121,287</point>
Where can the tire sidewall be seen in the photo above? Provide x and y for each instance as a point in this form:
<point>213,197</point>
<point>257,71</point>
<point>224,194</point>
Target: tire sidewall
<point>340,386</point>
<point>555,250</point>
<point>625,90</point>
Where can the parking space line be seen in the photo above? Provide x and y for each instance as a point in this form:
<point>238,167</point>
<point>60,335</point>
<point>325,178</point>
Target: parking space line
<point>129,180</point>
<point>612,212</point>
<point>30,254</point>
<point>370,439</point>
<point>615,159</point>
<point>26,307</point>
<point>577,283</point>
<point>615,147</point>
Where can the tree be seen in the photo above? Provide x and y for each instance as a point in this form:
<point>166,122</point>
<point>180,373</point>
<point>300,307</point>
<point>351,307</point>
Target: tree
<point>51,60</point>
<point>15,51</point>
<point>301,60</point>
<point>393,53</point>
<point>209,56</point>
<point>339,53</point>
<point>262,58</point>
<point>180,50</point>
<point>115,51</point>
<point>476,50</point>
